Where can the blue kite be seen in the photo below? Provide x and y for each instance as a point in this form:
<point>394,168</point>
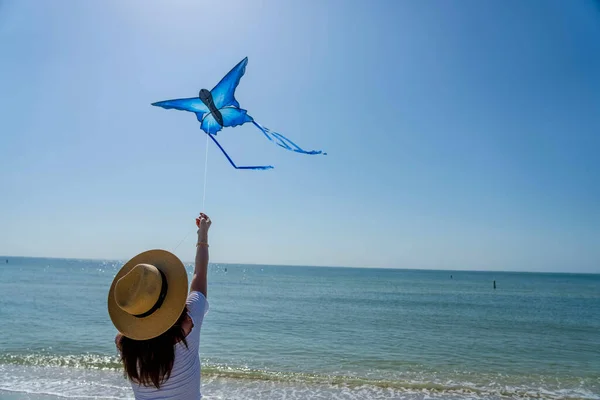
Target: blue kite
<point>218,108</point>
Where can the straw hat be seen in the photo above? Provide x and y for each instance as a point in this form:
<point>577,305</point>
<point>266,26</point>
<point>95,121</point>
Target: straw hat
<point>148,294</point>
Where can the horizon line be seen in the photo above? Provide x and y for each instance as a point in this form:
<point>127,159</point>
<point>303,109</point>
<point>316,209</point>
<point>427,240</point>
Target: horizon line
<point>320,266</point>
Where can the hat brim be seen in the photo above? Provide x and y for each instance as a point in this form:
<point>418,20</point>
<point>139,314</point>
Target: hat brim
<point>169,312</point>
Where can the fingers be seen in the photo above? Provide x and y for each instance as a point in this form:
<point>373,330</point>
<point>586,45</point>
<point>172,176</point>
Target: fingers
<point>203,219</point>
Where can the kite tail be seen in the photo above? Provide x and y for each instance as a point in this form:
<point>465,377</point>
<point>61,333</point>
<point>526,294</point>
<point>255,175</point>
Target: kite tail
<point>263,167</point>
<point>284,142</point>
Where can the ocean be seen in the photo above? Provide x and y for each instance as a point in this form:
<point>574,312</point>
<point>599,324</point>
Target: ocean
<point>277,332</point>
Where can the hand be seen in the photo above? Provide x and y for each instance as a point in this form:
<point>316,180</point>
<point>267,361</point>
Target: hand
<point>203,223</point>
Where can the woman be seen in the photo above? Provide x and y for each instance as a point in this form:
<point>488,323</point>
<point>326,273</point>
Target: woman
<point>159,322</point>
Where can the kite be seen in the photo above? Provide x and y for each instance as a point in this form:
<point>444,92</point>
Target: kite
<point>218,108</point>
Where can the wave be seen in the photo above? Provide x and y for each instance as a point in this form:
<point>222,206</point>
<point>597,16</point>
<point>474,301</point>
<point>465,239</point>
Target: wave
<point>486,387</point>
<point>88,361</point>
<point>431,387</point>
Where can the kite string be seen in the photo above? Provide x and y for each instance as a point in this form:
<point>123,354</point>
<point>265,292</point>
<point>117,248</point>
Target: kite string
<point>205,171</point>
<point>203,194</point>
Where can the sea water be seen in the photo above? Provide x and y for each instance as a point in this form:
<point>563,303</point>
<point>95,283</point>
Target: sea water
<point>280,332</point>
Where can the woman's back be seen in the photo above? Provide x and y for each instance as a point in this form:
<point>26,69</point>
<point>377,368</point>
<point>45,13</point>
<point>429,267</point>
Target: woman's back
<point>184,381</point>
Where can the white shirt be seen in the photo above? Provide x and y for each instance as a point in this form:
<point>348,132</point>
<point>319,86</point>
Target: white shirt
<point>184,382</point>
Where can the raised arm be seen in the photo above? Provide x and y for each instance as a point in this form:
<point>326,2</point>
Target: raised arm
<point>199,280</point>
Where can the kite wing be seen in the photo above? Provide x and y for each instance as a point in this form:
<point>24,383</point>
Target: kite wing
<point>231,117</point>
<point>234,116</point>
<point>223,93</point>
<point>193,104</point>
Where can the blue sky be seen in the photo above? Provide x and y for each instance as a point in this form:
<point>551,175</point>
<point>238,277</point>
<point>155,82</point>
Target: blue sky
<point>461,134</point>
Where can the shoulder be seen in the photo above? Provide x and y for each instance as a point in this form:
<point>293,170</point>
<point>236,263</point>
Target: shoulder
<point>197,304</point>
<point>195,297</point>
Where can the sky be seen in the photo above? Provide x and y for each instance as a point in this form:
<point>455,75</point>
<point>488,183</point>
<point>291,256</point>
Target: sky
<point>460,134</point>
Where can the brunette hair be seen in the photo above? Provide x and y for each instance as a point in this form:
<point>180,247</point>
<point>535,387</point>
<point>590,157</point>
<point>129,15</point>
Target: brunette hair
<point>149,362</point>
